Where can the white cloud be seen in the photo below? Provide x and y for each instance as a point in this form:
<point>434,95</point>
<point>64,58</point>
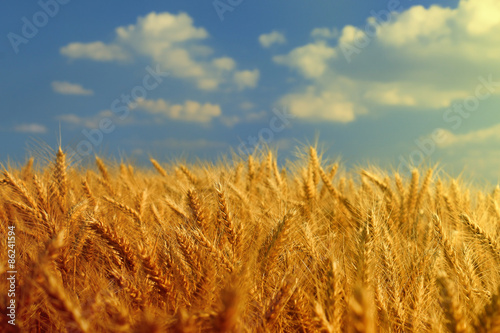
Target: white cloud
<point>310,60</point>
<point>421,58</point>
<point>327,104</point>
<point>481,136</point>
<point>97,51</point>
<point>274,37</point>
<point>416,25</point>
<point>172,41</point>
<point>89,122</point>
<point>30,128</point>
<point>189,111</point>
<point>410,94</point>
<point>224,63</point>
<point>246,79</point>
<point>325,33</point>
<point>481,17</point>
<point>67,88</point>
<point>248,117</point>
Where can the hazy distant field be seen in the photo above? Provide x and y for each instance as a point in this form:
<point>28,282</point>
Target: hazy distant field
<point>250,248</point>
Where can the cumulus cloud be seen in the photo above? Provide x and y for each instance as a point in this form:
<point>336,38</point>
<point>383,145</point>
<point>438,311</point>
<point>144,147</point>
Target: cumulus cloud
<point>191,111</point>
<point>410,94</point>
<point>310,60</point>
<point>481,136</point>
<point>224,63</point>
<point>88,121</point>
<point>318,103</point>
<point>172,41</point>
<point>67,88</point>
<point>97,51</point>
<point>31,128</point>
<point>410,60</point>
<point>247,117</point>
<point>246,79</point>
<point>274,37</point>
<point>325,33</point>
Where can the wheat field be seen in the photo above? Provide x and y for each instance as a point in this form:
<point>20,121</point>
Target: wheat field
<point>244,246</point>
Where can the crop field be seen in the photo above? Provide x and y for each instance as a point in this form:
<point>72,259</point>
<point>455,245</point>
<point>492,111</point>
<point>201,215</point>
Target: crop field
<point>245,245</point>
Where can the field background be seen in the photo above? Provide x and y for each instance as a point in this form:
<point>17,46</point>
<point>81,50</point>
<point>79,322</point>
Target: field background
<point>249,248</point>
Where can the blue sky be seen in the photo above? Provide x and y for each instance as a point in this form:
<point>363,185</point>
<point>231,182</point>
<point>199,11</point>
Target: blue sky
<point>396,83</point>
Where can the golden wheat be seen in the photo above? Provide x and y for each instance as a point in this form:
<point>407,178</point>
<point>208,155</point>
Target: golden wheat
<point>268,248</point>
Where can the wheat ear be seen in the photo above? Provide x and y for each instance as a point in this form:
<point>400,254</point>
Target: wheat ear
<point>66,309</point>
<point>481,234</point>
<point>190,176</point>
<point>453,312</point>
<point>279,301</point>
<point>213,251</point>
<point>118,244</point>
<point>226,218</point>
<point>158,167</point>
<point>102,169</point>
<point>196,208</point>
<point>124,208</point>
